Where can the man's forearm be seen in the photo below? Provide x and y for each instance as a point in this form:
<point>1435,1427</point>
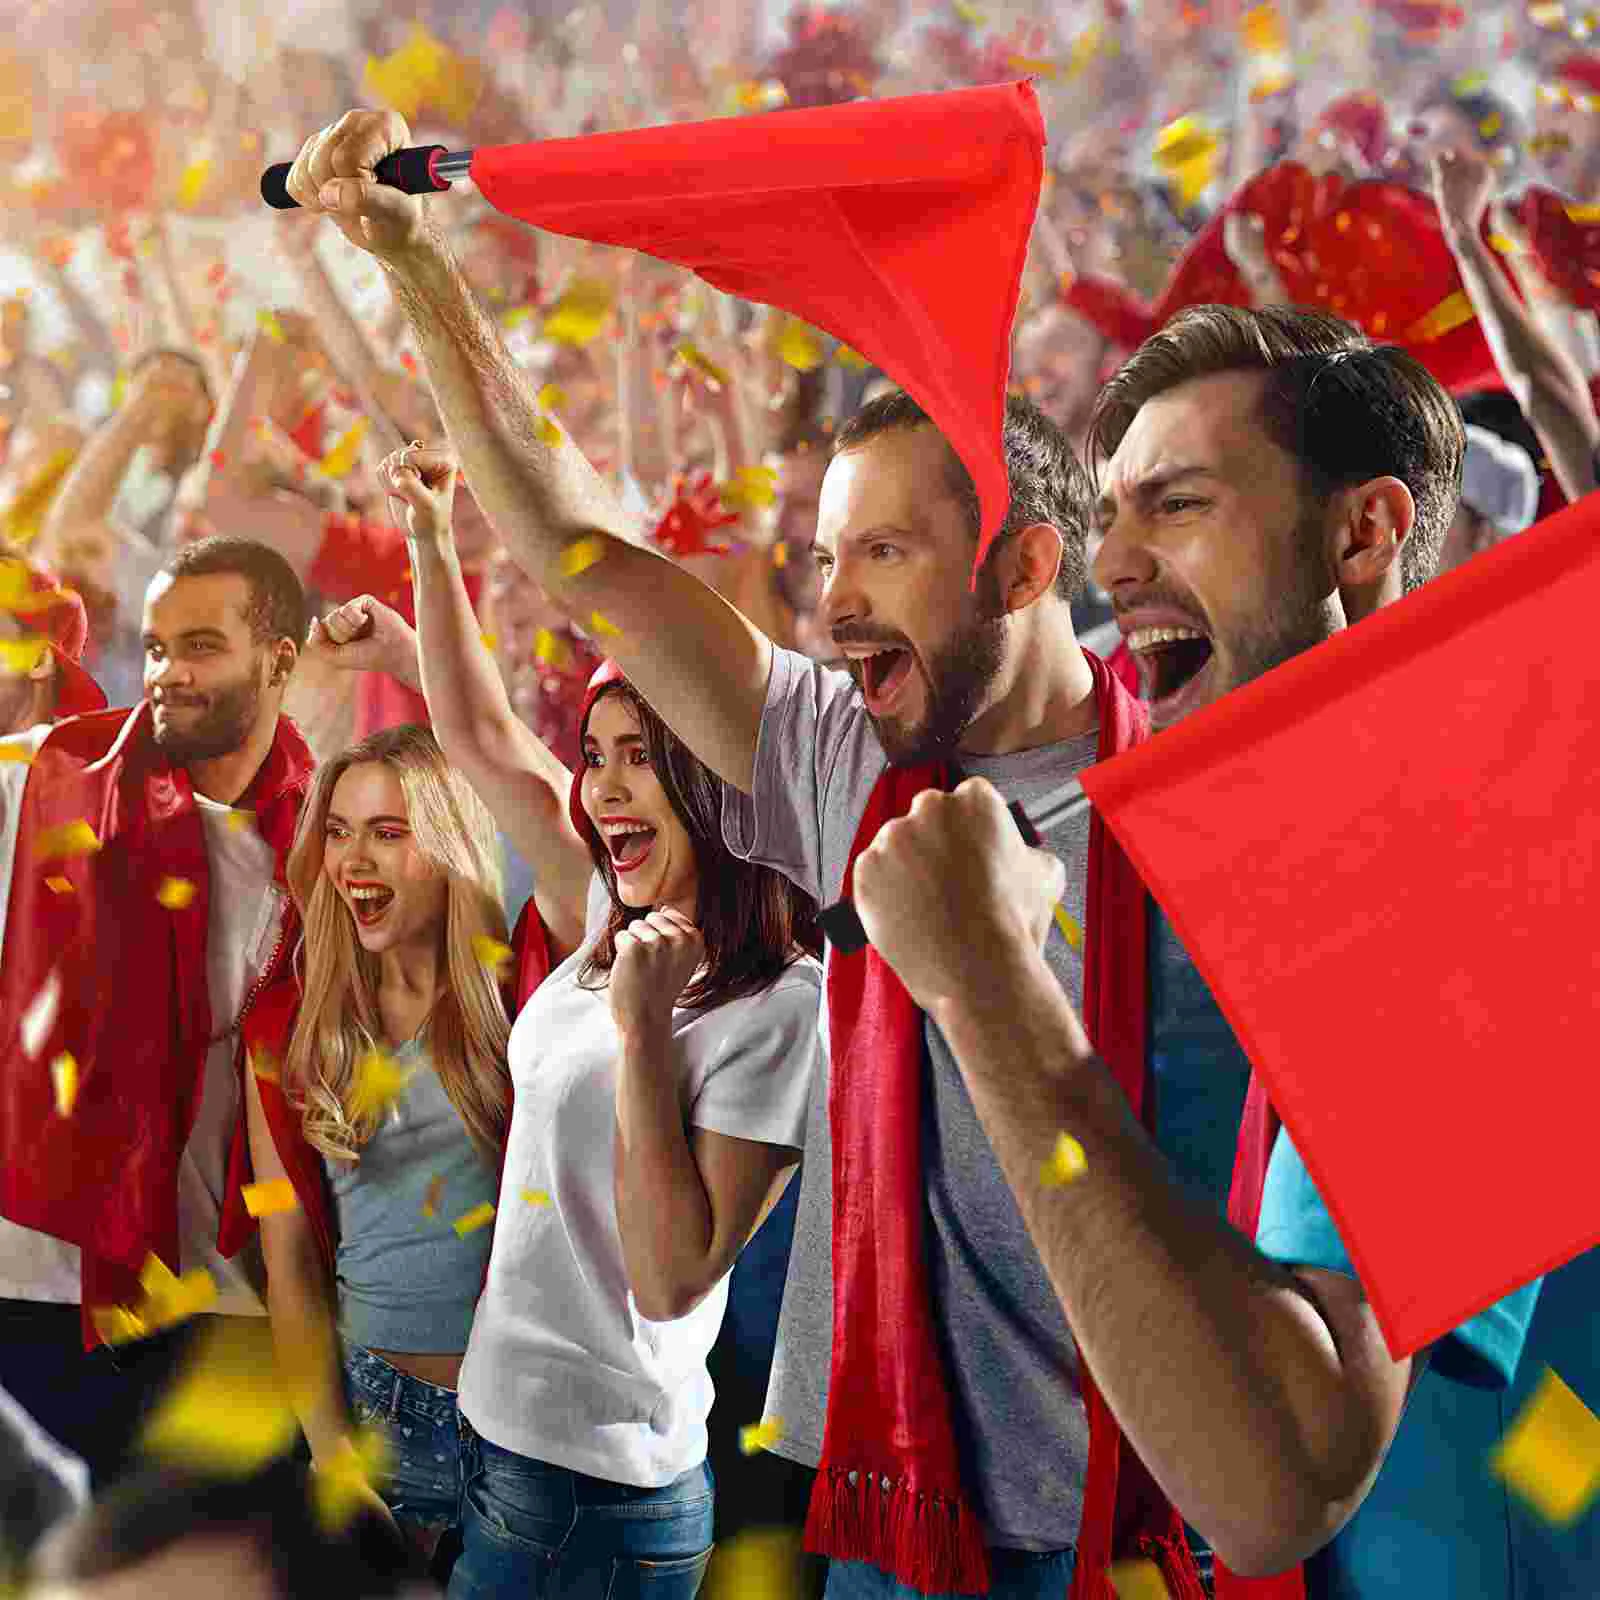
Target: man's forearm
<point>1216,1364</point>
<point>90,489</point>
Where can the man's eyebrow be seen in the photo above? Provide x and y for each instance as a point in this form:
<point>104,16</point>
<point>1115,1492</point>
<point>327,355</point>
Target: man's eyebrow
<point>189,633</point>
<point>1148,488</point>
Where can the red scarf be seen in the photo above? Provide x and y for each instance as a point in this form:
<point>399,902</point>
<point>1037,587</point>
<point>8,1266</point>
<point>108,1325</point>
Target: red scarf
<point>889,1487</point>
<point>266,1036</point>
<point>134,1009</point>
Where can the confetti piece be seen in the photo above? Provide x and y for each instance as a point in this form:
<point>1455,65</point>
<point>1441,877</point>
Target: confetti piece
<point>798,346</point>
<point>490,641</point>
<point>434,1194</point>
<point>19,657</point>
<point>757,1564</point>
<point>850,359</point>
<point>1263,31</point>
<point>265,1066</point>
<point>193,183</point>
<point>551,649</point>
<point>339,1487</point>
<point>59,886</point>
<point>604,628</point>
<point>1068,924</point>
<point>514,318</point>
<point>346,450</point>
<point>492,954</point>
<point>552,397</point>
<point>1186,153</point>
<point>175,893</point>
<point>1031,66</point>
<point>269,325</point>
<point>969,13</point>
<point>691,355</point>
<point>477,1217</point>
<point>230,1411</point>
<point>1583,213</point>
<point>1450,313</point>
<point>1551,1454</point>
<point>536,1197</point>
<point>64,1077</point>
<point>1469,84</point>
<point>269,1199</point>
<point>749,487</point>
<point>580,555</point>
<point>379,1082</point>
<point>780,554</point>
<point>580,313</point>
<point>549,433</point>
<point>1138,1580</point>
<point>25,515</point>
<point>1066,1165</point>
<point>761,1435</point>
<point>70,839</point>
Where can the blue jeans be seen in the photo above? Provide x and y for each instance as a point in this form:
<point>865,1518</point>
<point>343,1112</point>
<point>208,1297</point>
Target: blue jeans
<point>532,1531</point>
<point>424,1430</point>
<point>1013,1575</point>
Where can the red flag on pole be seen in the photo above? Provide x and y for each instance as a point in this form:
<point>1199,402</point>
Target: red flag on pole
<point>899,226</point>
<point>1382,856</point>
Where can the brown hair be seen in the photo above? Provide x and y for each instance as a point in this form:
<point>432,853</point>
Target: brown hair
<point>1345,409</point>
<point>752,918</point>
<point>1048,484</point>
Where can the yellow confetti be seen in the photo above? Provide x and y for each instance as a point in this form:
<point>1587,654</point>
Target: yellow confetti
<point>970,13</point>
<point>604,628</point>
<point>64,1078</point>
<point>175,893</point>
<point>271,1198</point>
<point>230,1411</point>
<point>536,1197</point>
<point>19,657</point>
<point>761,1435</point>
<point>1068,924</point>
<point>580,555</point>
<point>551,649</point>
<point>1491,125</point>
<point>691,355</point>
<point>798,346</point>
<point>1262,30</point>
<point>434,1194</point>
<point>477,1217</point>
<point>19,753</point>
<point>70,839</point>
<point>269,325</point>
<point>1066,1165</point>
<point>167,1301</point>
<point>850,359</point>
<point>1501,245</point>
<point>1031,66</point>
<point>749,487</point>
<point>552,397</point>
<point>265,1066</point>
<point>489,641</point>
<point>1469,84</point>
<point>25,515</point>
<point>1138,1580</point>
<point>579,315</point>
<point>549,433</point>
<point>339,1486</point>
<point>379,1082</point>
<point>1583,213</point>
<point>1450,313</point>
<point>193,182</point>
<point>516,316</point>
<point>1551,1454</point>
<point>59,886</point>
<point>492,954</point>
<point>756,1564</point>
<point>1186,152</point>
<point>346,450</point>
<point>780,554</point>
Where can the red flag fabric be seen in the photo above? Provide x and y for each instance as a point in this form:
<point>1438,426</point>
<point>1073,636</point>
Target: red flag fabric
<point>1565,239</point>
<point>900,226</point>
<point>1381,857</point>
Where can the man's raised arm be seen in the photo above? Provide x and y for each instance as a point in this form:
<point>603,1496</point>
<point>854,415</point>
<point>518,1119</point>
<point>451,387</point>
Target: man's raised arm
<point>700,664</point>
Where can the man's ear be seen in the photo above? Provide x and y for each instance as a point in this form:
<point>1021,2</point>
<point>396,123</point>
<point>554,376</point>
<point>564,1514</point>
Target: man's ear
<point>1371,525</point>
<point>284,655</point>
<point>1030,560</point>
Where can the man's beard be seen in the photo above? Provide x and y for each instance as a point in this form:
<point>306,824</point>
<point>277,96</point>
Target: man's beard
<point>224,727</point>
<point>959,677</point>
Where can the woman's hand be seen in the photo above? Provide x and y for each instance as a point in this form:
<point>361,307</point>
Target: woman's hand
<point>657,956</point>
<point>422,482</point>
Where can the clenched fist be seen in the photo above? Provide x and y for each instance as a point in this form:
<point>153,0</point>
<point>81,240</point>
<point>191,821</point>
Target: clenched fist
<point>365,635</point>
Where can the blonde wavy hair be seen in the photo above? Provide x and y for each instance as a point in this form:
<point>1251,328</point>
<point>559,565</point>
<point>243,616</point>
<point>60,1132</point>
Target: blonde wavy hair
<point>339,1026</point>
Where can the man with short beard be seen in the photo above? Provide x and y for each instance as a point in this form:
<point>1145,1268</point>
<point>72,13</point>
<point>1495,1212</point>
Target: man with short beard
<point>143,910</point>
<point>989,1466</point>
<point>1266,479</point>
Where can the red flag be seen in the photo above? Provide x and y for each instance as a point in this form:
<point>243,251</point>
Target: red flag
<point>899,226</point>
<point>1382,857</point>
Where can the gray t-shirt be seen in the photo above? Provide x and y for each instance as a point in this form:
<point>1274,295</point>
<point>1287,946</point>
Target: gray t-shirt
<point>1019,1414</point>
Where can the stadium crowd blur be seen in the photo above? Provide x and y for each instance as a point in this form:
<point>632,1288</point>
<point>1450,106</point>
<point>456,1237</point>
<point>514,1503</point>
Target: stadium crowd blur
<point>175,360</point>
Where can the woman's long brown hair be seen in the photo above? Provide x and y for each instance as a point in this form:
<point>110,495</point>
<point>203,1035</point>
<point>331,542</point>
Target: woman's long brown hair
<point>753,919</point>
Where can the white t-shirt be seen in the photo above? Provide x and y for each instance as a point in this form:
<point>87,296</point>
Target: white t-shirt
<point>561,1367</point>
<point>245,911</point>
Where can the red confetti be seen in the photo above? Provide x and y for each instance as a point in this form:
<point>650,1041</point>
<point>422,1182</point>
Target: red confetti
<point>695,513</point>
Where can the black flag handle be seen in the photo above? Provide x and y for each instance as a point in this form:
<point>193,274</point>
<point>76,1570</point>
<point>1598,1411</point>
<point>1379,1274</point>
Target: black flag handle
<point>418,169</point>
<point>841,923</point>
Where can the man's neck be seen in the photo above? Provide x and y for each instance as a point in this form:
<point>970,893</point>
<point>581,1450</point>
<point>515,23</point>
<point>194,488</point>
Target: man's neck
<point>1045,691</point>
<point>225,779</point>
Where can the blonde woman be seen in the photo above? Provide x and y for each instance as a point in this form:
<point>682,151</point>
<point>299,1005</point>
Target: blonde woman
<point>380,1092</point>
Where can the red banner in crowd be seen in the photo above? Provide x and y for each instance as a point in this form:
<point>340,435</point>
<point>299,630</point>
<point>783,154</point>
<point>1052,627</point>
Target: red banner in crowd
<point>1381,857</point>
<point>899,226</point>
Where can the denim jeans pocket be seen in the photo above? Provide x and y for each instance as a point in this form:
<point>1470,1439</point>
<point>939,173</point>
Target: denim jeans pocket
<point>676,1579</point>
<point>523,1504</point>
